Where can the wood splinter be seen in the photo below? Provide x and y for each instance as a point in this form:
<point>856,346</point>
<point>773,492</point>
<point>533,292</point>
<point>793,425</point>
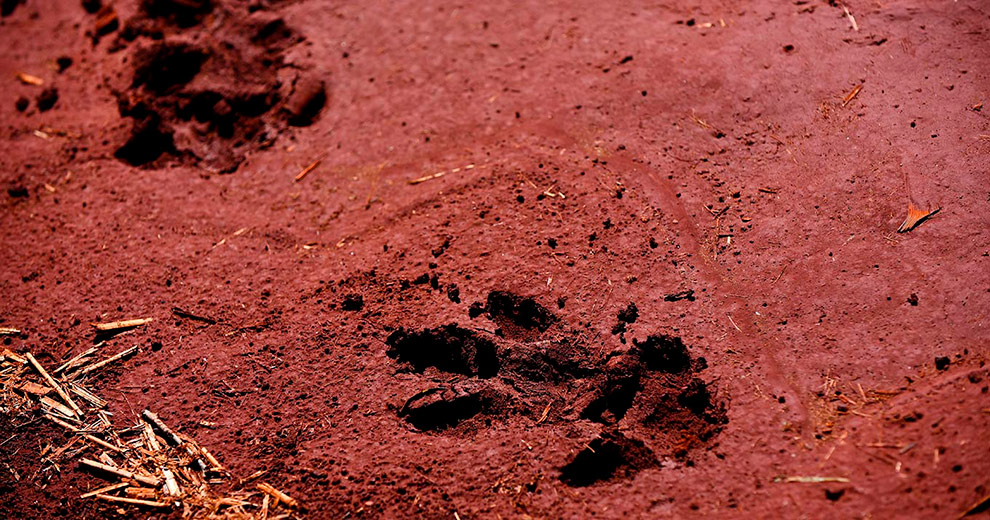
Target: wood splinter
<point>134,501</point>
<point>123,324</point>
<point>122,473</point>
<point>29,79</point>
<point>106,489</point>
<point>54,384</point>
<point>75,360</point>
<point>305,171</point>
<point>278,495</point>
<point>171,485</point>
<point>852,94</point>
<point>105,362</point>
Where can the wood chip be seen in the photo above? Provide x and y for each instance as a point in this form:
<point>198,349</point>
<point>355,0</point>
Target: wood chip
<point>28,79</point>
<point>123,324</point>
<point>34,388</point>
<point>7,354</point>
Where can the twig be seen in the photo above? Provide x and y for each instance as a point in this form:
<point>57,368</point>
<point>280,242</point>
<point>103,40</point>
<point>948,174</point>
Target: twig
<point>186,314</point>
<point>122,324</point>
<point>981,505</point>
<point>809,480</point>
<point>87,395</point>
<point>305,171</point>
<point>733,322</point>
<point>779,274</point>
<point>9,331</point>
<point>167,434</point>
<point>852,94</point>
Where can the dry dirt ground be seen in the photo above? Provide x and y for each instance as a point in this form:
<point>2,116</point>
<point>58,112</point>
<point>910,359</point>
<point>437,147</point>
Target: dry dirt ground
<point>555,260</point>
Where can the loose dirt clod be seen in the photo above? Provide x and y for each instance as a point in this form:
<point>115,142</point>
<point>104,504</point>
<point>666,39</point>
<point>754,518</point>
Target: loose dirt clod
<point>307,99</point>
<point>664,353</point>
<point>47,99</point>
<point>518,317</point>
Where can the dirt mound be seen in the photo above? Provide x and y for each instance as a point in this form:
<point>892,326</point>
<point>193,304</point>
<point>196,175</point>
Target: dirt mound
<point>181,100</point>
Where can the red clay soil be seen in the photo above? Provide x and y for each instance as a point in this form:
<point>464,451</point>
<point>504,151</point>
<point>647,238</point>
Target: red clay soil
<point>650,268</point>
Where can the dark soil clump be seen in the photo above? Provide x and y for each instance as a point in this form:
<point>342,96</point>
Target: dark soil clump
<point>448,349</point>
<point>518,317</point>
<point>610,456</point>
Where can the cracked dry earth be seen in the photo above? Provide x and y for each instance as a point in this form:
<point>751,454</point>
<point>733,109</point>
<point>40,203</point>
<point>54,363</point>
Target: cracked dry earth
<point>538,260</point>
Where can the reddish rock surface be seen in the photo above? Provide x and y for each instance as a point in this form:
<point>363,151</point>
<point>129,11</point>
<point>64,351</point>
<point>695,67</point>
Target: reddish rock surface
<point>647,266</point>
